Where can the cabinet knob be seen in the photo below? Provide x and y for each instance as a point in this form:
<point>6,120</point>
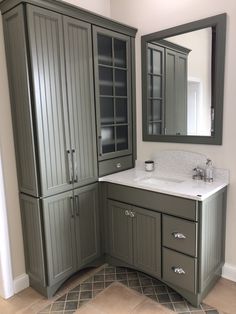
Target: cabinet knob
<point>178,235</point>
<point>127,213</point>
<point>132,214</point>
<point>118,165</point>
<point>178,270</point>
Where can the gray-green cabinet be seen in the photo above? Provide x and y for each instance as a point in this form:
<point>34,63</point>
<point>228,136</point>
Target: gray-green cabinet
<point>147,240</point>
<point>135,236</point>
<point>59,230</point>
<point>177,240</point>
<point>80,91</point>
<point>58,101</point>
<point>120,231</point>
<point>61,236</point>
<point>165,107</point>
<point>86,213</point>
<point>50,60</point>
<point>50,104</point>
<point>113,91</point>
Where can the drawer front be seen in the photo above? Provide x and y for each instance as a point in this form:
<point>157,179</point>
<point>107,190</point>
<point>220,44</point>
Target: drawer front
<point>180,270</point>
<point>115,165</point>
<point>163,203</point>
<point>180,235</point>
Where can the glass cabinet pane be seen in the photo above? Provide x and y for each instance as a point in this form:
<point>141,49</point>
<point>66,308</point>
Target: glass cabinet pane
<point>106,110</point>
<point>122,137</point>
<point>120,82</point>
<point>156,62</point>
<point>154,128</point>
<point>108,139</point>
<point>106,81</point>
<point>104,50</point>
<point>155,110</point>
<point>149,60</point>
<point>120,53</point>
<point>121,110</point>
<point>154,86</point>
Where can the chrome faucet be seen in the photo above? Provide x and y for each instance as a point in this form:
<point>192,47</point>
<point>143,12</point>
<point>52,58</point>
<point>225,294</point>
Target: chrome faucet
<point>199,173</point>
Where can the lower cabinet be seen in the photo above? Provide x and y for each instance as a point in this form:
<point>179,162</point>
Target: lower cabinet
<point>179,241</point>
<point>135,236</point>
<point>65,232</point>
<point>59,231</point>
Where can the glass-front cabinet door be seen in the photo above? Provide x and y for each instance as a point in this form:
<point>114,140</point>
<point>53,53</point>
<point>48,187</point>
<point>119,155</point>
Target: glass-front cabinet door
<point>113,93</point>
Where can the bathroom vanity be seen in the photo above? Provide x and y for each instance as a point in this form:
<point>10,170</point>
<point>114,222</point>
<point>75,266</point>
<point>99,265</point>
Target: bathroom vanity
<point>158,225</point>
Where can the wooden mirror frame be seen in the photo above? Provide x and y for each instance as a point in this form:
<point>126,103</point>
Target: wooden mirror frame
<point>218,25</point>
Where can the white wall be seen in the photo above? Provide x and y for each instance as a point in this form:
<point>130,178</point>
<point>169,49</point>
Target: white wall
<point>97,6</point>
<point>8,155</point>
<point>153,15</point>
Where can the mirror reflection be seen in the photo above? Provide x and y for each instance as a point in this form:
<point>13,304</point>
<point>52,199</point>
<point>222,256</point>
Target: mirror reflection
<point>179,84</point>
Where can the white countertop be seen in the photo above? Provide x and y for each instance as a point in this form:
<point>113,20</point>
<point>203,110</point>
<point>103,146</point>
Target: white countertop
<point>181,186</point>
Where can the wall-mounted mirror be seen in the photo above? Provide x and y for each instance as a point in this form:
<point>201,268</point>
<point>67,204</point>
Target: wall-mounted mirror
<point>183,82</point>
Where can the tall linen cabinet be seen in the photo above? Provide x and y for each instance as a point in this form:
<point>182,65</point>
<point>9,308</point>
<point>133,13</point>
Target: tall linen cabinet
<point>50,62</point>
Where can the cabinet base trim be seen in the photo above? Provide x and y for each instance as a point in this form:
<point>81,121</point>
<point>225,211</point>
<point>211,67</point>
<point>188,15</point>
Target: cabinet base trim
<point>20,283</point>
<point>229,272</point>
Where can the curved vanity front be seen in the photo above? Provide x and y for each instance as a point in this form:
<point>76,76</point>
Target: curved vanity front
<point>174,235</point>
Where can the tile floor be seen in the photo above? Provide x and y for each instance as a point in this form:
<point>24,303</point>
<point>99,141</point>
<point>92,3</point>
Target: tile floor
<point>150,287</point>
<point>222,296</point>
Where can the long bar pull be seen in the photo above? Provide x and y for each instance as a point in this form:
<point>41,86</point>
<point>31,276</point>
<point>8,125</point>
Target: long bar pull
<point>75,169</point>
<point>77,204</point>
<point>70,166</point>
<point>72,207</point>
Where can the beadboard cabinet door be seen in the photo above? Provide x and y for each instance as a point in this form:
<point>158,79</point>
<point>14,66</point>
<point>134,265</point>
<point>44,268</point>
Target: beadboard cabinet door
<point>147,240</point>
<point>120,231</point>
<point>45,30</point>
<point>87,224</point>
<point>80,91</point>
<point>59,228</point>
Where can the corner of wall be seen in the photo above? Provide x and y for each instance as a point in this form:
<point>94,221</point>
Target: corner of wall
<point>229,272</point>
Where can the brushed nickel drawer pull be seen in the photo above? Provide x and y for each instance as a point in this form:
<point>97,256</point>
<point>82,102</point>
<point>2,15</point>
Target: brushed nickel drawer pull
<point>118,165</point>
<point>178,235</point>
<point>127,213</point>
<point>178,270</point>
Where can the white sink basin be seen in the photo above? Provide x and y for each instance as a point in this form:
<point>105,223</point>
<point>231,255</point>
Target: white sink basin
<point>155,180</point>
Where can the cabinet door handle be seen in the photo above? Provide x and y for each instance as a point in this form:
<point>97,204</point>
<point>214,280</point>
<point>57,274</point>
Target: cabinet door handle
<point>75,169</point>
<point>127,213</point>
<point>132,214</point>
<point>178,235</point>
<point>178,270</point>
<point>77,204</point>
<point>71,207</point>
<point>118,165</point>
<point>100,145</point>
<point>70,166</point>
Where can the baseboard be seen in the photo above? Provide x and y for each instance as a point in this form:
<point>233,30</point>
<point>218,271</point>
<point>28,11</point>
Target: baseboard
<point>21,282</point>
<point>229,272</point>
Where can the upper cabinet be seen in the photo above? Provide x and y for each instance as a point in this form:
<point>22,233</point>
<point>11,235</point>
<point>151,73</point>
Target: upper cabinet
<point>113,93</point>
<point>51,66</point>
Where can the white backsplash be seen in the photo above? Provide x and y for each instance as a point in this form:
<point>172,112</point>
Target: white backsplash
<point>181,164</point>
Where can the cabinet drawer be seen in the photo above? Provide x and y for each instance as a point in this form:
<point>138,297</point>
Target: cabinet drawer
<point>180,235</point>
<point>163,203</point>
<point>179,270</point>
<point>115,165</point>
